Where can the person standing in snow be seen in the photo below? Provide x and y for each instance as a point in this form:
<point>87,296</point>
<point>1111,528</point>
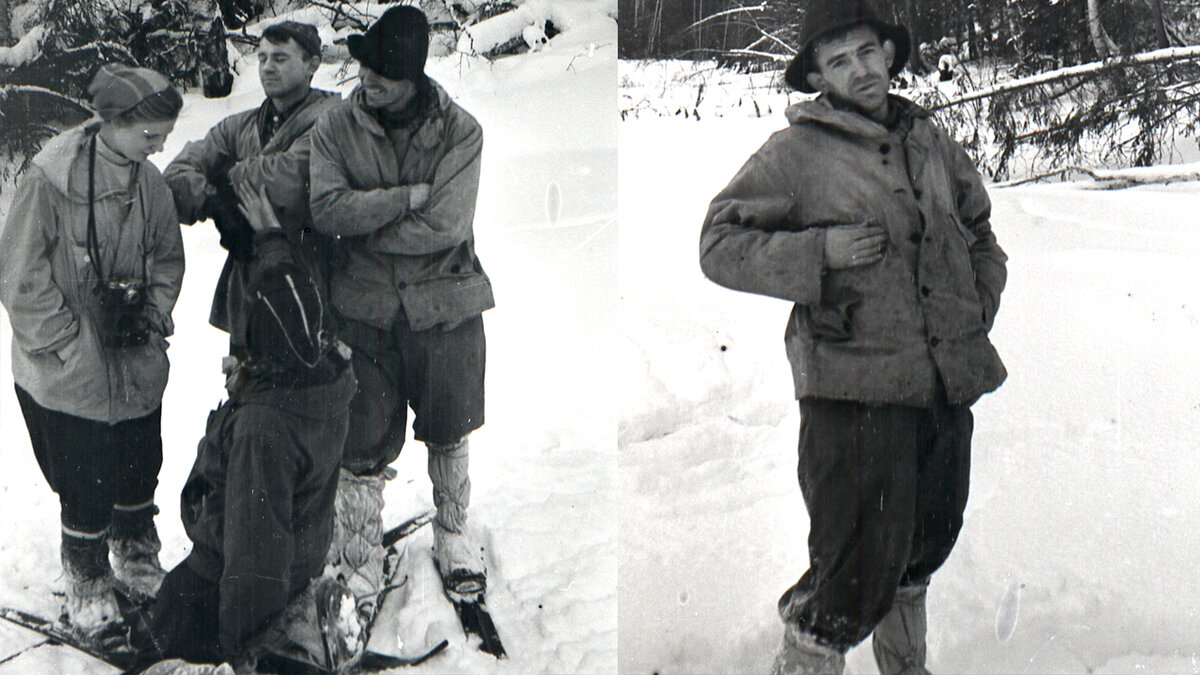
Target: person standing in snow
<point>395,172</point>
<point>268,147</point>
<point>876,225</point>
<point>258,504</point>
<point>92,261</point>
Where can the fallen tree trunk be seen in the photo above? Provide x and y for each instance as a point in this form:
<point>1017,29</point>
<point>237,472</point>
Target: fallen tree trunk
<point>1050,77</point>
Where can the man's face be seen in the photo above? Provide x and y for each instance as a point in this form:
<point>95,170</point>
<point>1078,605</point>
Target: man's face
<point>137,140</point>
<point>854,68</point>
<point>384,93</point>
<point>284,69</point>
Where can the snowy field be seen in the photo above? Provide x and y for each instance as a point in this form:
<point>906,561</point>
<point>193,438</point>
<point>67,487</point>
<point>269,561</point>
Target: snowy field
<point>543,467</point>
<point>1079,550</point>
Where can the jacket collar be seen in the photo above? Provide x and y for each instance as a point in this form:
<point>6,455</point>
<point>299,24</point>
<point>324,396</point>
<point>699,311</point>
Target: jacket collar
<point>822,111</point>
<point>298,120</point>
<point>59,153</point>
<point>432,122</point>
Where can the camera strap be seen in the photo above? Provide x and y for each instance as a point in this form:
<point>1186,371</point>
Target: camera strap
<point>93,240</point>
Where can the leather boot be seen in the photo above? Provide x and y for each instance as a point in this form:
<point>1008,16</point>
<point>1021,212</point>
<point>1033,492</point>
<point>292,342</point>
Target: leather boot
<point>899,642</point>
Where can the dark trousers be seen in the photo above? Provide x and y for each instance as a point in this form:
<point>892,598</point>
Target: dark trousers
<point>438,373</point>
<point>185,618</point>
<point>885,487</point>
<point>92,465</point>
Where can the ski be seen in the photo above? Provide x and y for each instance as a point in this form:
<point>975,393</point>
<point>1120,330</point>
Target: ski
<point>372,662</point>
<point>375,662</point>
<point>407,527</point>
<point>477,620</point>
<point>121,660</point>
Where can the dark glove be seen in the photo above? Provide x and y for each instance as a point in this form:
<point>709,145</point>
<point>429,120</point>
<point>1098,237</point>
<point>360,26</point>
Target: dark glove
<point>237,236</point>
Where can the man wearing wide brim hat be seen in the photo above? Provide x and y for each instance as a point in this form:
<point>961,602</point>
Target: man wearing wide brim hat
<point>395,173</point>
<point>875,224</point>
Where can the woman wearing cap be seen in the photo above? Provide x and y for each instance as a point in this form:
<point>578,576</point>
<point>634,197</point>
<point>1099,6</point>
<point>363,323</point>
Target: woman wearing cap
<point>91,261</point>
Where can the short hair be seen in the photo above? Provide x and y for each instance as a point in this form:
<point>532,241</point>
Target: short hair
<point>308,41</point>
<point>160,107</point>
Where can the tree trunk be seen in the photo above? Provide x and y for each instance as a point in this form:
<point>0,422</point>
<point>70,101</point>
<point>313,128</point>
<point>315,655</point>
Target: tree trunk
<point>6,36</point>
<point>1101,42</point>
<point>1160,25</point>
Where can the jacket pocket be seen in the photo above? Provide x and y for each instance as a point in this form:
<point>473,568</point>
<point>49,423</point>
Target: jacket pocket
<point>831,321</point>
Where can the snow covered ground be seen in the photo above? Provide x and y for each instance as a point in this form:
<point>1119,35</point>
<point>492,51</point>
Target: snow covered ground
<point>1079,548</point>
<point>544,466</point>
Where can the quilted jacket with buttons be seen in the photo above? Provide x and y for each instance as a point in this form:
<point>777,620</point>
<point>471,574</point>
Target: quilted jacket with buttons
<point>886,332</point>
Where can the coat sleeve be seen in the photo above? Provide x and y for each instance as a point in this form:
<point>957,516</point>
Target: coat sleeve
<point>337,208</point>
<point>974,212</point>
<point>258,545</point>
<point>447,218</point>
<point>744,243</point>
<point>164,262</point>
<point>188,174</point>
<point>41,320</point>
<point>285,174</point>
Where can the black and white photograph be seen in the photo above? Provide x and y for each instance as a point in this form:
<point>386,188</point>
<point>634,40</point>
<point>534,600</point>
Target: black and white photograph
<point>909,315</point>
<point>264,264</point>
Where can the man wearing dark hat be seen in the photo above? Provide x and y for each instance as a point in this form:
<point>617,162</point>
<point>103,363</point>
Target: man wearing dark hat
<point>395,172</point>
<point>876,225</point>
<point>268,147</point>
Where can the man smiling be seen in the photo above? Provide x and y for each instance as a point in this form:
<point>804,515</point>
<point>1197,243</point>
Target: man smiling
<point>395,173</point>
<point>267,147</point>
<point>876,225</point>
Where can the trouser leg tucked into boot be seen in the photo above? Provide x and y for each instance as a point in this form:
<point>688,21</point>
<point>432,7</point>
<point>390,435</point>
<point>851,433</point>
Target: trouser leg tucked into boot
<point>91,605</point>
<point>356,554</point>
<point>899,642</point>
<point>801,654</point>
<point>135,546</point>
<point>458,558</point>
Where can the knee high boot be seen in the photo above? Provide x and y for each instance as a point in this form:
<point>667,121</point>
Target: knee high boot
<point>91,605</point>
<point>356,552</point>
<point>899,641</point>
<point>459,560</point>
<point>134,543</point>
<point>801,654</point>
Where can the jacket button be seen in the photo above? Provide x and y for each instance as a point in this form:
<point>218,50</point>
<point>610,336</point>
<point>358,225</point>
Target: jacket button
<point>934,341</point>
<point>885,149</point>
<point>925,292</point>
<point>915,237</point>
<point>916,193</point>
<point>454,269</point>
<point>402,285</point>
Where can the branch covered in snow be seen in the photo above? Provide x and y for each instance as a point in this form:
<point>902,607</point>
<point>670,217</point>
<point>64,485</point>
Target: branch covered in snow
<point>1052,76</point>
<point>1116,179</point>
<point>25,51</point>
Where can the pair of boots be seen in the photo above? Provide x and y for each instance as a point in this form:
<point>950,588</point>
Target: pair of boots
<point>898,642</point>
<point>356,554</point>
<point>133,541</point>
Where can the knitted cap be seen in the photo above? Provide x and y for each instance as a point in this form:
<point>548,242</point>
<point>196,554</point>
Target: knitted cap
<point>305,35</point>
<point>395,46</point>
<point>117,88</point>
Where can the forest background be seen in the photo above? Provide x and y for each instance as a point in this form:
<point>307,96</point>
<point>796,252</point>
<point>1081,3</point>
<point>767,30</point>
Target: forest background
<point>1040,87</point>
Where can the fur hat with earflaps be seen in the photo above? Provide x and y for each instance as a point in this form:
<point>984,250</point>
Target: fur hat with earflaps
<point>825,16</point>
<point>395,46</point>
